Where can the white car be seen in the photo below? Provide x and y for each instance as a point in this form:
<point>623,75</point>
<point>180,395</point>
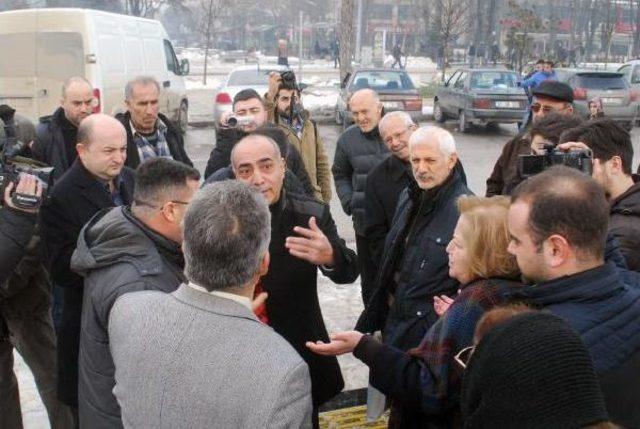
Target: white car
<point>253,76</point>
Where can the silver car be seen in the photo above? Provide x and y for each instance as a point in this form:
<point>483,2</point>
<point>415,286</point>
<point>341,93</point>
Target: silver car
<point>619,99</point>
<point>253,76</point>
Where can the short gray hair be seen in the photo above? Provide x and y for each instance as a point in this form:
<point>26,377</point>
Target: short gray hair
<point>139,80</point>
<point>422,135</point>
<point>227,229</point>
<point>404,116</point>
<point>276,149</point>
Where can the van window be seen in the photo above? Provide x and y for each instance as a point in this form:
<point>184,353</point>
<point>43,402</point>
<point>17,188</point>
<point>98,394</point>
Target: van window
<point>172,62</point>
<point>22,65</point>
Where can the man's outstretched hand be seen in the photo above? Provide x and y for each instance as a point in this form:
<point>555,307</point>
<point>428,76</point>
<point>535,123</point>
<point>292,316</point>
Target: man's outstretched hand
<point>312,245</point>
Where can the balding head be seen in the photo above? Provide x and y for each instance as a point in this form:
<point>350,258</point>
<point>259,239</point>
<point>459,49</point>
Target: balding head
<point>256,161</point>
<point>366,109</point>
<point>433,156</point>
<point>102,144</point>
<point>77,99</point>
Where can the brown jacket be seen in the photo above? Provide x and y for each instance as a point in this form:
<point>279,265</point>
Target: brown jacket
<point>505,175</point>
<point>311,149</point>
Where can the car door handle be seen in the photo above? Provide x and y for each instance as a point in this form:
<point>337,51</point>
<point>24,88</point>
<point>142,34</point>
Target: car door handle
<point>166,83</point>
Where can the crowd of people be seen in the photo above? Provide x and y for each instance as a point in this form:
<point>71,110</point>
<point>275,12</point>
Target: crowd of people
<point>142,294</point>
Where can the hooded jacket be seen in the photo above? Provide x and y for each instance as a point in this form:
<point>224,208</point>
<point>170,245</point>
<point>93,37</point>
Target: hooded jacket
<point>116,254</point>
<point>624,225</point>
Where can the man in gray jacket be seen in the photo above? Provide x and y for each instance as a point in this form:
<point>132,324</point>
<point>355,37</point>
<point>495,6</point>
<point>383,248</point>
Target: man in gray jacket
<point>359,149</point>
<point>199,357</point>
<point>123,250</point>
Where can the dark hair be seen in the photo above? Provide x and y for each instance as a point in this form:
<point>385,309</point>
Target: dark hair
<point>158,179</point>
<point>551,63</point>
<point>246,94</point>
<point>540,61</point>
<point>569,203</point>
<point>275,134</point>
<point>551,126</point>
<point>606,138</point>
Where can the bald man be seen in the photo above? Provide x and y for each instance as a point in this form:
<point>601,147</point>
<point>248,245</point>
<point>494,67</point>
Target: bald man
<point>56,135</point>
<point>359,149</point>
<point>96,180</point>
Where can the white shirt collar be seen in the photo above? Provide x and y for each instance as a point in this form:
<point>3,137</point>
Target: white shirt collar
<point>232,296</point>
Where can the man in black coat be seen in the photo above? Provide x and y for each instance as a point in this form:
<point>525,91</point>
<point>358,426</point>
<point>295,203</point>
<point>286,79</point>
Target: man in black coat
<point>386,181</point>
<point>358,150</point>
<point>96,180</point>
<point>303,239</point>
<point>150,134</point>
<point>56,135</point>
<point>124,250</point>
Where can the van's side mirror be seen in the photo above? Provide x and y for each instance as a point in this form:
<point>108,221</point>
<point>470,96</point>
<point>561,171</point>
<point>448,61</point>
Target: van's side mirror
<point>184,67</point>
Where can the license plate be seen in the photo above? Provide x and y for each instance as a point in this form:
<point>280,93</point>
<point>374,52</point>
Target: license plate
<point>392,104</point>
<point>507,104</point>
<point>611,101</point>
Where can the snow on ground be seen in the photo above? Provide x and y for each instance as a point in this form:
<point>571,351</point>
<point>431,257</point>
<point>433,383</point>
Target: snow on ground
<point>195,82</point>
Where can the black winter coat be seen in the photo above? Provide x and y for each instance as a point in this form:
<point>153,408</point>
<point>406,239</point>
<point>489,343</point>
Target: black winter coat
<point>174,141</point>
<point>624,225</point>
<point>16,230</point>
<point>75,199</point>
<point>292,306</point>
<point>116,254</point>
<point>357,153</point>
<point>414,254</point>
<point>226,138</point>
<point>50,146</point>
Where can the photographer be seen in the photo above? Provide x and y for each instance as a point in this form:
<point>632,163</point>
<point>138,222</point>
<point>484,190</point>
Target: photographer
<point>25,307</point>
<point>612,159</point>
<point>284,108</point>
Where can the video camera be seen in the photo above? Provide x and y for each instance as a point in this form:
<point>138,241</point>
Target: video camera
<point>288,79</point>
<point>530,165</point>
<point>13,164</point>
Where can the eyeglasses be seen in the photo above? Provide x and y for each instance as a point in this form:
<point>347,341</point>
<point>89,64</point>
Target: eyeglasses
<point>143,203</point>
<point>463,356</point>
<point>535,108</point>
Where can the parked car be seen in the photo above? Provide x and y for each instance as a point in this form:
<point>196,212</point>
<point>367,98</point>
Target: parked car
<point>619,99</point>
<point>631,72</point>
<point>252,76</point>
<point>44,47</point>
<point>480,96</point>
<point>395,88</point>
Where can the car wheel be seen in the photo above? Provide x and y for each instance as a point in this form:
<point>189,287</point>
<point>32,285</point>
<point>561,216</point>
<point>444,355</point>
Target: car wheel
<point>438,114</point>
<point>183,117</point>
<point>338,118</point>
<point>463,125</point>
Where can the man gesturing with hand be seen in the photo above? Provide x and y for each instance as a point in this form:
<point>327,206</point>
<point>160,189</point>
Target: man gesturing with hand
<point>303,239</point>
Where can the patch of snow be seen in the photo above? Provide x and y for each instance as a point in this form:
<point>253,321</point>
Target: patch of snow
<point>195,82</point>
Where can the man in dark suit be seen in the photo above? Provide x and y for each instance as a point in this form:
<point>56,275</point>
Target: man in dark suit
<point>303,239</point>
<point>96,180</point>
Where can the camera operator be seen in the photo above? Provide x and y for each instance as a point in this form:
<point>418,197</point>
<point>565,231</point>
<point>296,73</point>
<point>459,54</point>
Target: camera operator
<point>550,96</point>
<point>248,116</point>
<point>558,221</point>
<point>284,108</point>
<point>25,304</point>
<point>612,159</point>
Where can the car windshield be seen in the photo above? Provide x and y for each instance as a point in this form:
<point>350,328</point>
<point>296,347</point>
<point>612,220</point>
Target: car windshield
<point>382,81</point>
<point>249,77</point>
<point>602,81</point>
<point>493,80</point>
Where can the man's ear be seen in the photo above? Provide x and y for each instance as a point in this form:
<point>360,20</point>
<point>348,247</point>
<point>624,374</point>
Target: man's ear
<point>263,269</point>
<point>413,127</point>
<point>81,148</point>
<point>557,250</point>
<point>453,159</point>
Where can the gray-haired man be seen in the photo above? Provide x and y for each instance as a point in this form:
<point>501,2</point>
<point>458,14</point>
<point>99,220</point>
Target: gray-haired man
<point>199,357</point>
<point>149,133</point>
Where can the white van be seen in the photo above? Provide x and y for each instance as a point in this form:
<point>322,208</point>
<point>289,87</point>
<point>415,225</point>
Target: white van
<point>41,48</point>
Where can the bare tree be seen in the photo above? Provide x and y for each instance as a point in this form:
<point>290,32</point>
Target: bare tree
<point>452,21</point>
<point>145,8</point>
<point>636,27</point>
<point>347,29</point>
<point>518,38</point>
<point>607,30</point>
<point>211,11</point>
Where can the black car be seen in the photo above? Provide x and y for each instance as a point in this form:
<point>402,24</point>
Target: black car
<point>480,96</point>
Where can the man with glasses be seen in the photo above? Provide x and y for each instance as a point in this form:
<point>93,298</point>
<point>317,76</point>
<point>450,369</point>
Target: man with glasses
<point>56,135</point>
<point>124,250</point>
<point>549,96</point>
